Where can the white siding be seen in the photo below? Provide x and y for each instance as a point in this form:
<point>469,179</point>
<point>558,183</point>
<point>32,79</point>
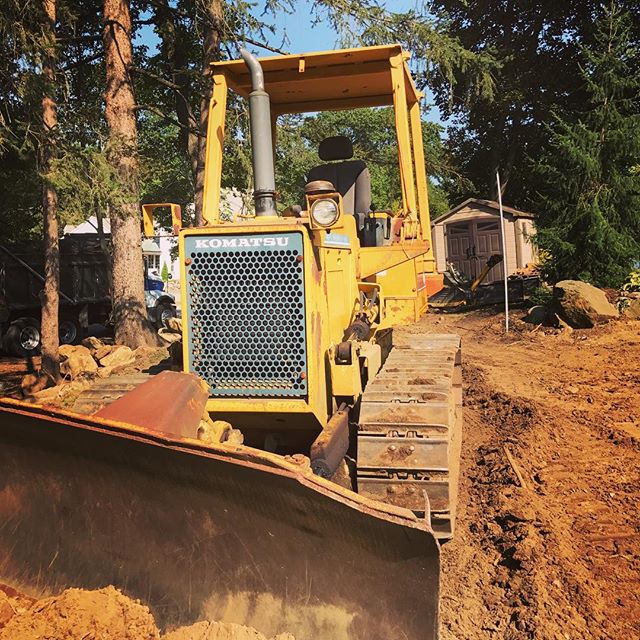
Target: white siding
<point>439,247</point>
<point>529,251</point>
<point>511,260</point>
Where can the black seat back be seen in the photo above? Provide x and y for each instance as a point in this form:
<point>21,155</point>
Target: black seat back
<point>350,177</point>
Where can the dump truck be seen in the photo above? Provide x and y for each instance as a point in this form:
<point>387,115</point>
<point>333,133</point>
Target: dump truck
<point>85,293</point>
<point>300,474</point>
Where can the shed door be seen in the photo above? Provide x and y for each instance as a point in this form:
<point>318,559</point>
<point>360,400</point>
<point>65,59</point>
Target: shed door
<point>470,244</point>
<point>487,242</point>
<point>459,247</point>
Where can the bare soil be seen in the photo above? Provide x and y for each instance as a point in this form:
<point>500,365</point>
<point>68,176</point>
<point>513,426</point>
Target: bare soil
<point>105,613</point>
<point>547,543</point>
<point>554,555</point>
<point>101,614</point>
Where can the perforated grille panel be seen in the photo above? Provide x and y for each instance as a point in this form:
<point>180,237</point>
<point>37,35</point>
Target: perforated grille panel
<point>246,314</point>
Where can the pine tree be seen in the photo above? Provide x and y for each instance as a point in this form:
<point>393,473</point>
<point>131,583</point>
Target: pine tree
<point>131,325</point>
<point>50,300</point>
<point>164,273</point>
<point>589,209</point>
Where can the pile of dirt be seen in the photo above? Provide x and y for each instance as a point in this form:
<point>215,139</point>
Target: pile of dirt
<point>103,614</point>
<point>220,631</point>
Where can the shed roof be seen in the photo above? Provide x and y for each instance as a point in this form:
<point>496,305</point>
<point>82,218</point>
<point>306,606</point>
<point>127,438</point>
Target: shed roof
<point>325,80</point>
<point>491,204</point>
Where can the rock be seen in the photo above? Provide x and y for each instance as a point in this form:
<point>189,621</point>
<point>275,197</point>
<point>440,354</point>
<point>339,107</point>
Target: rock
<point>102,351</point>
<point>174,324</point>
<point>77,364</point>
<point>633,310</point>
<point>6,609</point>
<point>169,336</point>
<point>47,396</point>
<point>33,383</point>
<point>67,350</point>
<point>118,356</point>
<point>213,431</point>
<point>78,361</point>
<point>582,305</point>
<point>92,343</point>
<point>538,314</point>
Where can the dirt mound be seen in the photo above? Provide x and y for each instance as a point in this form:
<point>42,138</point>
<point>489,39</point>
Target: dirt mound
<point>75,614</point>
<point>104,614</point>
<point>219,631</point>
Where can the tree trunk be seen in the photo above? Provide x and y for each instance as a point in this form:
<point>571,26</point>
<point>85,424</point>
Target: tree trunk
<point>50,301</point>
<point>132,327</point>
<point>212,34</point>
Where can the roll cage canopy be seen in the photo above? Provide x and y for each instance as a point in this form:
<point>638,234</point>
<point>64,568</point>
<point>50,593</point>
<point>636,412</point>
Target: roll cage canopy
<point>328,81</point>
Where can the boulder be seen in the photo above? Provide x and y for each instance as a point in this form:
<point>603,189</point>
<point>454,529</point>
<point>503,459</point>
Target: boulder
<point>633,310</point>
<point>174,324</point>
<point>67,350</point>
<point>149,356</point>
<point>47,396</point>
<point>118,356</point>
<point>538,314</point>
<point>92,343</point>
<point>102,351</point>
<point>581,305</point>
<point>169,336</point>
<point>78,361</point>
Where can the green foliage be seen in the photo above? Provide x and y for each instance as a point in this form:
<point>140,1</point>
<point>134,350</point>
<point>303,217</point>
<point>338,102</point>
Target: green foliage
<point>373,134</point>
<point>86,183</point>
<point>541,295</point>
<point>164,272</point>
<point>534,44</point>
<point>633,281</point>
<point>164,169</point>
<point>589,193</point>
<point>439,56</point>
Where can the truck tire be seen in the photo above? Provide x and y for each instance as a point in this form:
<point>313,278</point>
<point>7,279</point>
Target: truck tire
<point>22,338</point>
<point>164,311</point>
<point>69,330</point>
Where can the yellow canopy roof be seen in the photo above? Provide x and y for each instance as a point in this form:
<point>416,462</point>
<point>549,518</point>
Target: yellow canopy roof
<point>327,80</point>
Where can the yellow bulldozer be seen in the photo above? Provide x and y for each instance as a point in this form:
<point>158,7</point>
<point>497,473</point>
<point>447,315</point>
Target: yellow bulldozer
<point>313,496</point>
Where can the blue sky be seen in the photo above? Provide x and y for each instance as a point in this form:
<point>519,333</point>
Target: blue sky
<point>303,35</point>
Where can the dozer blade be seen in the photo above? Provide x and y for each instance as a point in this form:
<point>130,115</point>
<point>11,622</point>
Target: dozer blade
<point>203,531</point>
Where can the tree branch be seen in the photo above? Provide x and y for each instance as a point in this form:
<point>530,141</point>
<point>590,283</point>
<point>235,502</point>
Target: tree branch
<point>164,116</point>
<point>157,78</point>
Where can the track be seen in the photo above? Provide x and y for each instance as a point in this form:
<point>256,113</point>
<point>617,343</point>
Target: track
<point>409,430</point>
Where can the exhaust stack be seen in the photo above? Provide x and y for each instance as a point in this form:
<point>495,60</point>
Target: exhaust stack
<point>264,179</point>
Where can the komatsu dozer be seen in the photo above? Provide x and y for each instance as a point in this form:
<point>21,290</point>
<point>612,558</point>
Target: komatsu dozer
<point>313,495</point>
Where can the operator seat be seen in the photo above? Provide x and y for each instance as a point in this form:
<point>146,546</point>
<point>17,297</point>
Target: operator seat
<point>350,177</point>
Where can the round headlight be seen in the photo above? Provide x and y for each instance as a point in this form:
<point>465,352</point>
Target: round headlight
<point>324,212</point>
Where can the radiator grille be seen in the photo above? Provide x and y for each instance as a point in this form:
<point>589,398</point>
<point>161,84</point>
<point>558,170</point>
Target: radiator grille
<point>246,314</point>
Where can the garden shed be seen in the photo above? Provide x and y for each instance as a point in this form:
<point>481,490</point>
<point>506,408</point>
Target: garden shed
<point>469,234</point>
